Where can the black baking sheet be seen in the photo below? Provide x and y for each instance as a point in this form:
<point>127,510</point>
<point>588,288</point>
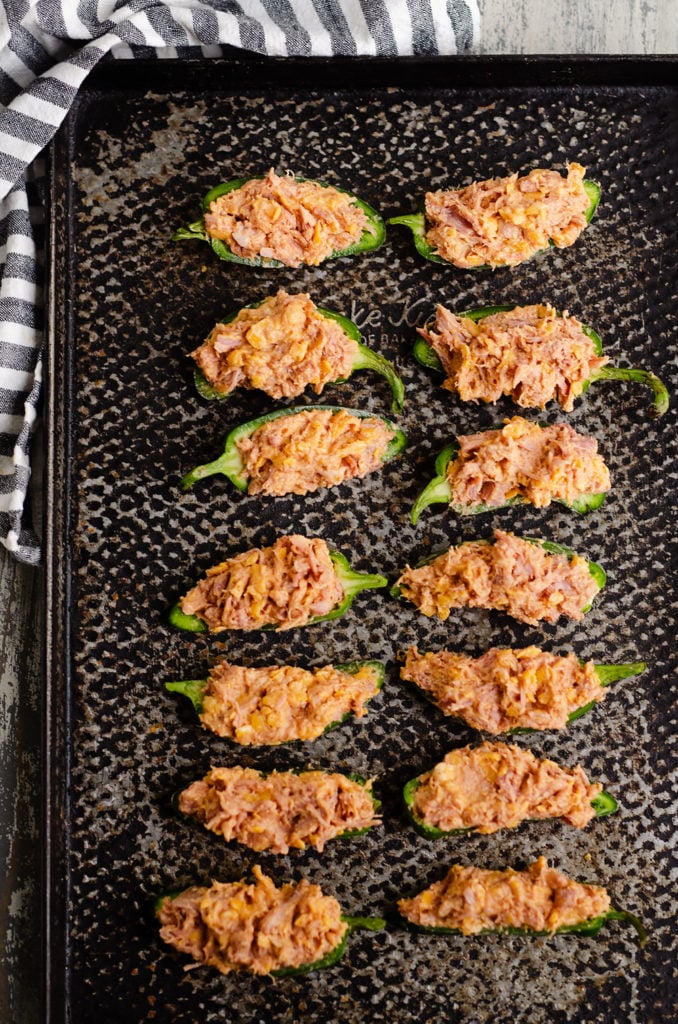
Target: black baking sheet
<point>139,149</point>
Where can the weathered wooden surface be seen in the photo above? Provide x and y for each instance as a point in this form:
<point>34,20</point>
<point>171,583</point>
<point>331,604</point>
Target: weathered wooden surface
<point>20,789</point>
<point>578,26</point>
<point>521,26</point>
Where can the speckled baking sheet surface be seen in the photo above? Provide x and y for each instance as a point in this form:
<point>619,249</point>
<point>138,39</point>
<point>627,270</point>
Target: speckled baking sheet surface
<point>134,306</point>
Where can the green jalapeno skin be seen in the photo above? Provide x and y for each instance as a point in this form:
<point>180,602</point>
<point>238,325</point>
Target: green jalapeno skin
<point>366,359</point>
<point>351,581</point>
<point>360,780</point>
<point>596,570</point>
<point>438,491</point>
<point>416,222</point>
<point>368,240</point>
<point>230,462</point>
<point>425,355</point>
<point>372,924</point>
<point>589,927</point>
<point>606,673</point>
<point>194,690</point>
<point>603,804</point>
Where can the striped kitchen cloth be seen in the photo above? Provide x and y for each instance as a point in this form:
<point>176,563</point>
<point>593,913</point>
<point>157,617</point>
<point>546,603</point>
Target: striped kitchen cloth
<point>47,48</point>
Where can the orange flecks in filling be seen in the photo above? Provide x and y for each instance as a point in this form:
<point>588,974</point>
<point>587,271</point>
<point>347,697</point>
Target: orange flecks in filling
<point>522,459</point>
<point>279,704</point>
<point>472,900</point>
<point>497,785</point>
<point>505,689</point>
<point>236,926</point>
<point>280,218</point>
<point>280,347</point>
<point>512,575</point>
<point>284,585</point>
<point>503,221</point>
<point>311,449</point>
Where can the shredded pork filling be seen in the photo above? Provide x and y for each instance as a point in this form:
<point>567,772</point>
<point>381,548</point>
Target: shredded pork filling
<point>316,448</point>
<point>471,900</point>
<point>522,459</point>
<point>280,810</point>
<point>504,688</point>
<point>280,347</point>
<point>503,221</point>
<point>279,218</point>
<point>512,575</point>
<point>531,354</point>
<point>284,585</point>
<point>279,704</point>
<point>235,926</point>
<point>498,785</point>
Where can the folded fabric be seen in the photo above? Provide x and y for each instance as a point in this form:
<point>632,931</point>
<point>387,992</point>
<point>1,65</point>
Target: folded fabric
<point>47,49</point>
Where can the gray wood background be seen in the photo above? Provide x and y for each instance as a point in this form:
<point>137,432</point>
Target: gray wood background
<point>506,26</point>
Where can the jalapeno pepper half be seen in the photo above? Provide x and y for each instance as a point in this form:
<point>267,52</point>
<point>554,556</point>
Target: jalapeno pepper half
<point>371,238</point>
<point>352,583</point>
<point>231,464</point>
<point>360,780</point>
<point>372,924</point>
<point>607,674</point>
<point>603,805</point>
<point>194,689</point>
<point>596,570</point>
<point>426,356</point>
<point>366,359</point>
<point>416,222</point>
<point>438,490</point>
<point>589,927</point>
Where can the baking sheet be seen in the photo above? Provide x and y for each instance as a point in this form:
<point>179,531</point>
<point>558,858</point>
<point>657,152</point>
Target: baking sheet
<point>139,150</point>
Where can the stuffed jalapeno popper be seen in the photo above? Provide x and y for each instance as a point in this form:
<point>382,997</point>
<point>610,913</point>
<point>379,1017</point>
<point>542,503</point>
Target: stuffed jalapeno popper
<point>536,901</point>
<point>506,690</point>
<point>300,450</point>
<point>501,222</point>
<point>279,811</point>
<point>520,463</point>
<point>531,354</point>
<point>283,345</point>
<point>284,221</point>
<point>297,581</point>
<point>256,927</point>
<point>280,703</point>
<point>529,579</point>
<point>498,785</point>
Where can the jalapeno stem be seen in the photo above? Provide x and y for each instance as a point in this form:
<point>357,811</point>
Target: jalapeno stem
<point>604,804</point>
<point>353,582</point>
<point>625,915</point>
<point>181,620</point>
<point>661,395</point>
<point>367,359</point>
<point>437,491</point>
<point>229,463</point>
<point>611,673</point>
<point>194,689</point>
<point>370,924</point>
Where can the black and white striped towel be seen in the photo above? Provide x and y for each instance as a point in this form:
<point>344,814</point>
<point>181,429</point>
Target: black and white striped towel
<point>47,48</point>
